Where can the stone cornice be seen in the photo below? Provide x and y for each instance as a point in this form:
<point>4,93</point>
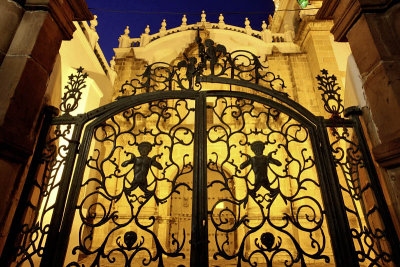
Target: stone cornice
<point>346,12</point>
<point>310,24</point>
<point>63,13</point>
<point>81,10</point>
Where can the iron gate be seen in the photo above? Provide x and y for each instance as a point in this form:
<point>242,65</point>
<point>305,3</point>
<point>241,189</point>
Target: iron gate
<point>177,172</point>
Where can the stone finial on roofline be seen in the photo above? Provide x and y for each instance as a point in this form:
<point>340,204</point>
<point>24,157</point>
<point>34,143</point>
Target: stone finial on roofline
<point>247,26</point>
<point>127,31</point>
<point>91,33</point>
<point>221,22</point>
<point>266,34</point>
<point>112,63</point>
<point>184,20</point>
<point>145,38</point>
<point>94,23</point>
<point>163,28</point>
<point>264,25</point>
<point>125,40</point>
<point>184,23</point>
<point>203,16</point>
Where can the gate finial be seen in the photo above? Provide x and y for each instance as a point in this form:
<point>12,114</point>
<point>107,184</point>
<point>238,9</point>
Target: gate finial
<point>330,94</point>
<point>70,99</point>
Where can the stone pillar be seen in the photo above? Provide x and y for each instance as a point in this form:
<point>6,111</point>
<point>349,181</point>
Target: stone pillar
<point>33,33</point>
<point>372,29</point>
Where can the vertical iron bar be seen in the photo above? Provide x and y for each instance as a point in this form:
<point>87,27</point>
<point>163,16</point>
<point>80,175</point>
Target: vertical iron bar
<point>390,231</point>
<point>341,239</point>
<point>9,252</point>
<point>199,242</point>
<point>61,243</point>
<point>56,219</point>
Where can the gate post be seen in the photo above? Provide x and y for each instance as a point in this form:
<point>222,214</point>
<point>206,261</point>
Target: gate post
<point>9,252</point>
<point>52,240</point>
<point>342,242</point>
<point>391,235</point>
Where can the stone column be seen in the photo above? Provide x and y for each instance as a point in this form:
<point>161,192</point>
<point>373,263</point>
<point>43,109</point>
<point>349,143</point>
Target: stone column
<point>372,29</point>
<point>33,33</point>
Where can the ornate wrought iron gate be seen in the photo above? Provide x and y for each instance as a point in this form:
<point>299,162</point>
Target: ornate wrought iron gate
<point>173,174</point>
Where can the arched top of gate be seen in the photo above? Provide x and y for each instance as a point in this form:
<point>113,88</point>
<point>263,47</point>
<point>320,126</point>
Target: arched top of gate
<point>211,64</point>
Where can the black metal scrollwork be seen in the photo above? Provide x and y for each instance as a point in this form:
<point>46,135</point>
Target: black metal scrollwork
<point>263,198</point>
<point>34,231</point>
<point>212,61</point>
<point>330,94</point>
<point>122,186</point>
<point>366,225</point>
<point>70,99</point>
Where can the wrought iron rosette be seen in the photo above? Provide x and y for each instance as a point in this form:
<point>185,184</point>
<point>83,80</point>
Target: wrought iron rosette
<point>70,99</point>
<point>333,102</point>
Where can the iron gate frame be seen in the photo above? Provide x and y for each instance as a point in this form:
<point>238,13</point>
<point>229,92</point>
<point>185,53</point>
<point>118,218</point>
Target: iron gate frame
<point>341,238</point>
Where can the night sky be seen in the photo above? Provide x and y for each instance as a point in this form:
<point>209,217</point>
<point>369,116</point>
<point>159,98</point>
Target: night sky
<point>112,24</point>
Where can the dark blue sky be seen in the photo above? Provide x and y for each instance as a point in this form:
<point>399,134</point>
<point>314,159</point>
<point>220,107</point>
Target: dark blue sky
<point>112,24</point>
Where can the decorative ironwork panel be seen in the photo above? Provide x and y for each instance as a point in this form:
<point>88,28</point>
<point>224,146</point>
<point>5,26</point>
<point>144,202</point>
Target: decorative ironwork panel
<point>136,192</point>
<point>211,61</point>
<point>144,173</point>
<point>367,227</point>
<point>265,204</point>
<point>333,102</point>
<point>39,210</point>
<point>73,93</point>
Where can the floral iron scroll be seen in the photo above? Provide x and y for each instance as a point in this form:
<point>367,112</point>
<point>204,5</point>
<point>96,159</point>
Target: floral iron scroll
<point>330,94</point>
<point>213,61</point>
<point>73,93</point>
